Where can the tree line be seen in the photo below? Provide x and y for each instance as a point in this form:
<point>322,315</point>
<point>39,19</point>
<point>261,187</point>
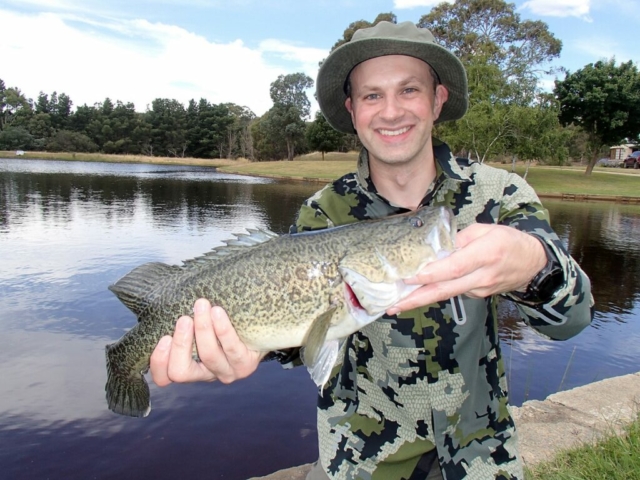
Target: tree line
<point>510,116</point>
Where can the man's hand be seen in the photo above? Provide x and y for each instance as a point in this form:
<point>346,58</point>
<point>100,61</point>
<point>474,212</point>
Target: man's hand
<point>223,356</point>
<point>490,259</point>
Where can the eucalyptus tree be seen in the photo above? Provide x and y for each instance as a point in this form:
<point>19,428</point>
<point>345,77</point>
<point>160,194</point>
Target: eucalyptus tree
<point>493,31</point>
<point>13,106</point>
<point>504,57</point>
<point>347,35</point>
<point>291,106</point>
<point>603,99</point>
<point>238,132</point>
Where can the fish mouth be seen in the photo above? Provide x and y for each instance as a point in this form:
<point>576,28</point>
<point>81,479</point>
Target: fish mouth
<point>352,299</point>
<point>361,315</point>
<point>368,300</point>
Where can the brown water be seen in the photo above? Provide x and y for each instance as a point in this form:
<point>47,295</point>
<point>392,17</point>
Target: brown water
<point>68,230</point>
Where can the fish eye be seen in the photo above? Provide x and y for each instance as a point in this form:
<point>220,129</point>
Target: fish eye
<point>416,222</point>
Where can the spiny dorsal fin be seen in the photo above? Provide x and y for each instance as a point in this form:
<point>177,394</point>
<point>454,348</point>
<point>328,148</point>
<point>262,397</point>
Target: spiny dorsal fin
<point>233,246</point>
<point>134,288</point>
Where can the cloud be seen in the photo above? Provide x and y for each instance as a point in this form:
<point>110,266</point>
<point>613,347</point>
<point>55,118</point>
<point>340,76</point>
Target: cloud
<point>559,8</point>
<point>403,4</point>
<point>602,47</point>
<point>90,58</point>
<point>308,58</point>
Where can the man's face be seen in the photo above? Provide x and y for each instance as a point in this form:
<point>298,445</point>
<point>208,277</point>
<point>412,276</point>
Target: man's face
<point>393,107</point>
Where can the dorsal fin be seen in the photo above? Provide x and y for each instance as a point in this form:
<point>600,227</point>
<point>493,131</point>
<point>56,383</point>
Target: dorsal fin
<point>233,246</point>
<point>133,289</point>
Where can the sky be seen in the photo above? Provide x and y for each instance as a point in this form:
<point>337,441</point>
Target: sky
<point>232,50</point>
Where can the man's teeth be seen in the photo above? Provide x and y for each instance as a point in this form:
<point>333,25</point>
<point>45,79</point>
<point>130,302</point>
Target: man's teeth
<point>393,133</point>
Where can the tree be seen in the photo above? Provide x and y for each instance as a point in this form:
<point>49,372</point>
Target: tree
<point>238,130</point>
<point>207,126</point>
<point>290,90</point>
<point>323,137</point>
<point>503,57</point>
<point>493,31</point>
<point>290,107</point>
<point>67,141</point>
<point>14,138</point>
<point>3,104</point>
<point>357,25</point>
<point>167,119</point>
<point>604,100</point>
<point>536,133</point>
<point>265,142</point>
<point>13,106</point>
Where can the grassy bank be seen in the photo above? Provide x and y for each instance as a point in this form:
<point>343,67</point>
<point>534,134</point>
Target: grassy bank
<point>545,180</point>
<point>103,157</point>
<point>616,458</point>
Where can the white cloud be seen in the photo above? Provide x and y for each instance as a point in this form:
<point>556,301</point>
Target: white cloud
<point>402,4</point>
<point>138,61</point>
<point>309,58</point>
<point>598,48</point>
<point>559,8</point>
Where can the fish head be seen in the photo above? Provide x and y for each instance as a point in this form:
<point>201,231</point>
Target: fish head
<point>396,248</point>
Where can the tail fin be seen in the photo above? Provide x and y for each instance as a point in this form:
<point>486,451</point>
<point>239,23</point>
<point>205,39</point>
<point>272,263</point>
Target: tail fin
<point>127,392</point>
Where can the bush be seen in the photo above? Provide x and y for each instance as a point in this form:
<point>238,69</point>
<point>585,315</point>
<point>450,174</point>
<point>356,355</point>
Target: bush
<point>67,141</point>
<point>16,138</point>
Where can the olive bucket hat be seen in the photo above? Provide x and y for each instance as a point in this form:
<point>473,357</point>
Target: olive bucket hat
<point>387,38</point>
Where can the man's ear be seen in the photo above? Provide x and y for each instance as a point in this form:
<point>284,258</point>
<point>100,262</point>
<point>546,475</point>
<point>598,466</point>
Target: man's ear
<point>441,96</point>
<point>348,104</point>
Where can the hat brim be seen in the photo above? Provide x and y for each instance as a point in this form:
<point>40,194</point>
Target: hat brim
<point>335,69</point>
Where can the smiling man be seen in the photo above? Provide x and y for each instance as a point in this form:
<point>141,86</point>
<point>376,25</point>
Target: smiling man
<point>421,393</point>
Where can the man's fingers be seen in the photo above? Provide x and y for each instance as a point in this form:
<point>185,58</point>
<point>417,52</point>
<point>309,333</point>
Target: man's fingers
<point>459,264</point>
<point>233,347</point>
<point>182,367</point>
<point>159,362</point>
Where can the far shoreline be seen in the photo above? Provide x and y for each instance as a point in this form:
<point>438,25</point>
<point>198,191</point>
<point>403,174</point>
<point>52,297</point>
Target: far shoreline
<point>310,168</point>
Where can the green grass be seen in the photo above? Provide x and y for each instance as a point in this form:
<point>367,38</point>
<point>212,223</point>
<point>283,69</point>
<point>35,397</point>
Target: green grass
<point>545,180</point>
<point>549,180</point>
<point>296,169</point>
<point>615,458</point>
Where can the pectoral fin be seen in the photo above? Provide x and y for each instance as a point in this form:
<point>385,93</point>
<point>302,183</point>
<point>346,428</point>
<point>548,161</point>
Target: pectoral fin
<point>327,356</point>
<point>316,336</point>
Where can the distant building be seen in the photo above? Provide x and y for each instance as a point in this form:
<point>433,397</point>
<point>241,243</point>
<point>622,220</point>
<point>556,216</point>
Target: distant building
<point>620,152</point>
<point>19,152</point>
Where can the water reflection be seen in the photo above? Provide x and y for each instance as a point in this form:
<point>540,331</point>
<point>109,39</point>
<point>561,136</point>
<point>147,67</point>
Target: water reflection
<point>68,230</point>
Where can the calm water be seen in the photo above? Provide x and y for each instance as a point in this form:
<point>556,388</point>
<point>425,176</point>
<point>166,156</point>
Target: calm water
<point>68,230</point>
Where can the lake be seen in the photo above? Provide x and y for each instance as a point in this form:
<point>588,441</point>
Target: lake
<point>70,229</point>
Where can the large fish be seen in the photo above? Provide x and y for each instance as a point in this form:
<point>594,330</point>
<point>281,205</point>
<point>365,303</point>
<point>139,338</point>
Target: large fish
<point>308,289</point>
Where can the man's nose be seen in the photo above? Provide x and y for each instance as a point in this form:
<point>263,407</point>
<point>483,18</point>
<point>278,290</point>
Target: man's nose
<point>391,109</point>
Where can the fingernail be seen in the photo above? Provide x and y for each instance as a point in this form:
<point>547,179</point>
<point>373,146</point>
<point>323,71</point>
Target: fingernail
<point>182,325</point>
<point>164,344</point>
<point>200,306</point>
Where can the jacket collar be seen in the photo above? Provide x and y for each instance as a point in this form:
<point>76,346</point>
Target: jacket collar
<point>447,169</point>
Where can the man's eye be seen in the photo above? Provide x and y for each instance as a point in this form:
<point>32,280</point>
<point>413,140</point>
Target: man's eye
<point>410,90</point>
<point>372,96</point>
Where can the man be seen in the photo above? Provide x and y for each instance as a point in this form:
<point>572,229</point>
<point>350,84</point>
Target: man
<point>420,393</point>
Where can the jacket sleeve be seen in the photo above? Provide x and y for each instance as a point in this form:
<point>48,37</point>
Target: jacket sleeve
<point>571,308</point>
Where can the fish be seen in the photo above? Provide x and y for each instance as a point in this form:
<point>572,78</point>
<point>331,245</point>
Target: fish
<point>309,290</point>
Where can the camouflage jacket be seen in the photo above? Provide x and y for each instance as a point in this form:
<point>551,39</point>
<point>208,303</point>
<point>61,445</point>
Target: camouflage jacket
<point>418,386</point>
